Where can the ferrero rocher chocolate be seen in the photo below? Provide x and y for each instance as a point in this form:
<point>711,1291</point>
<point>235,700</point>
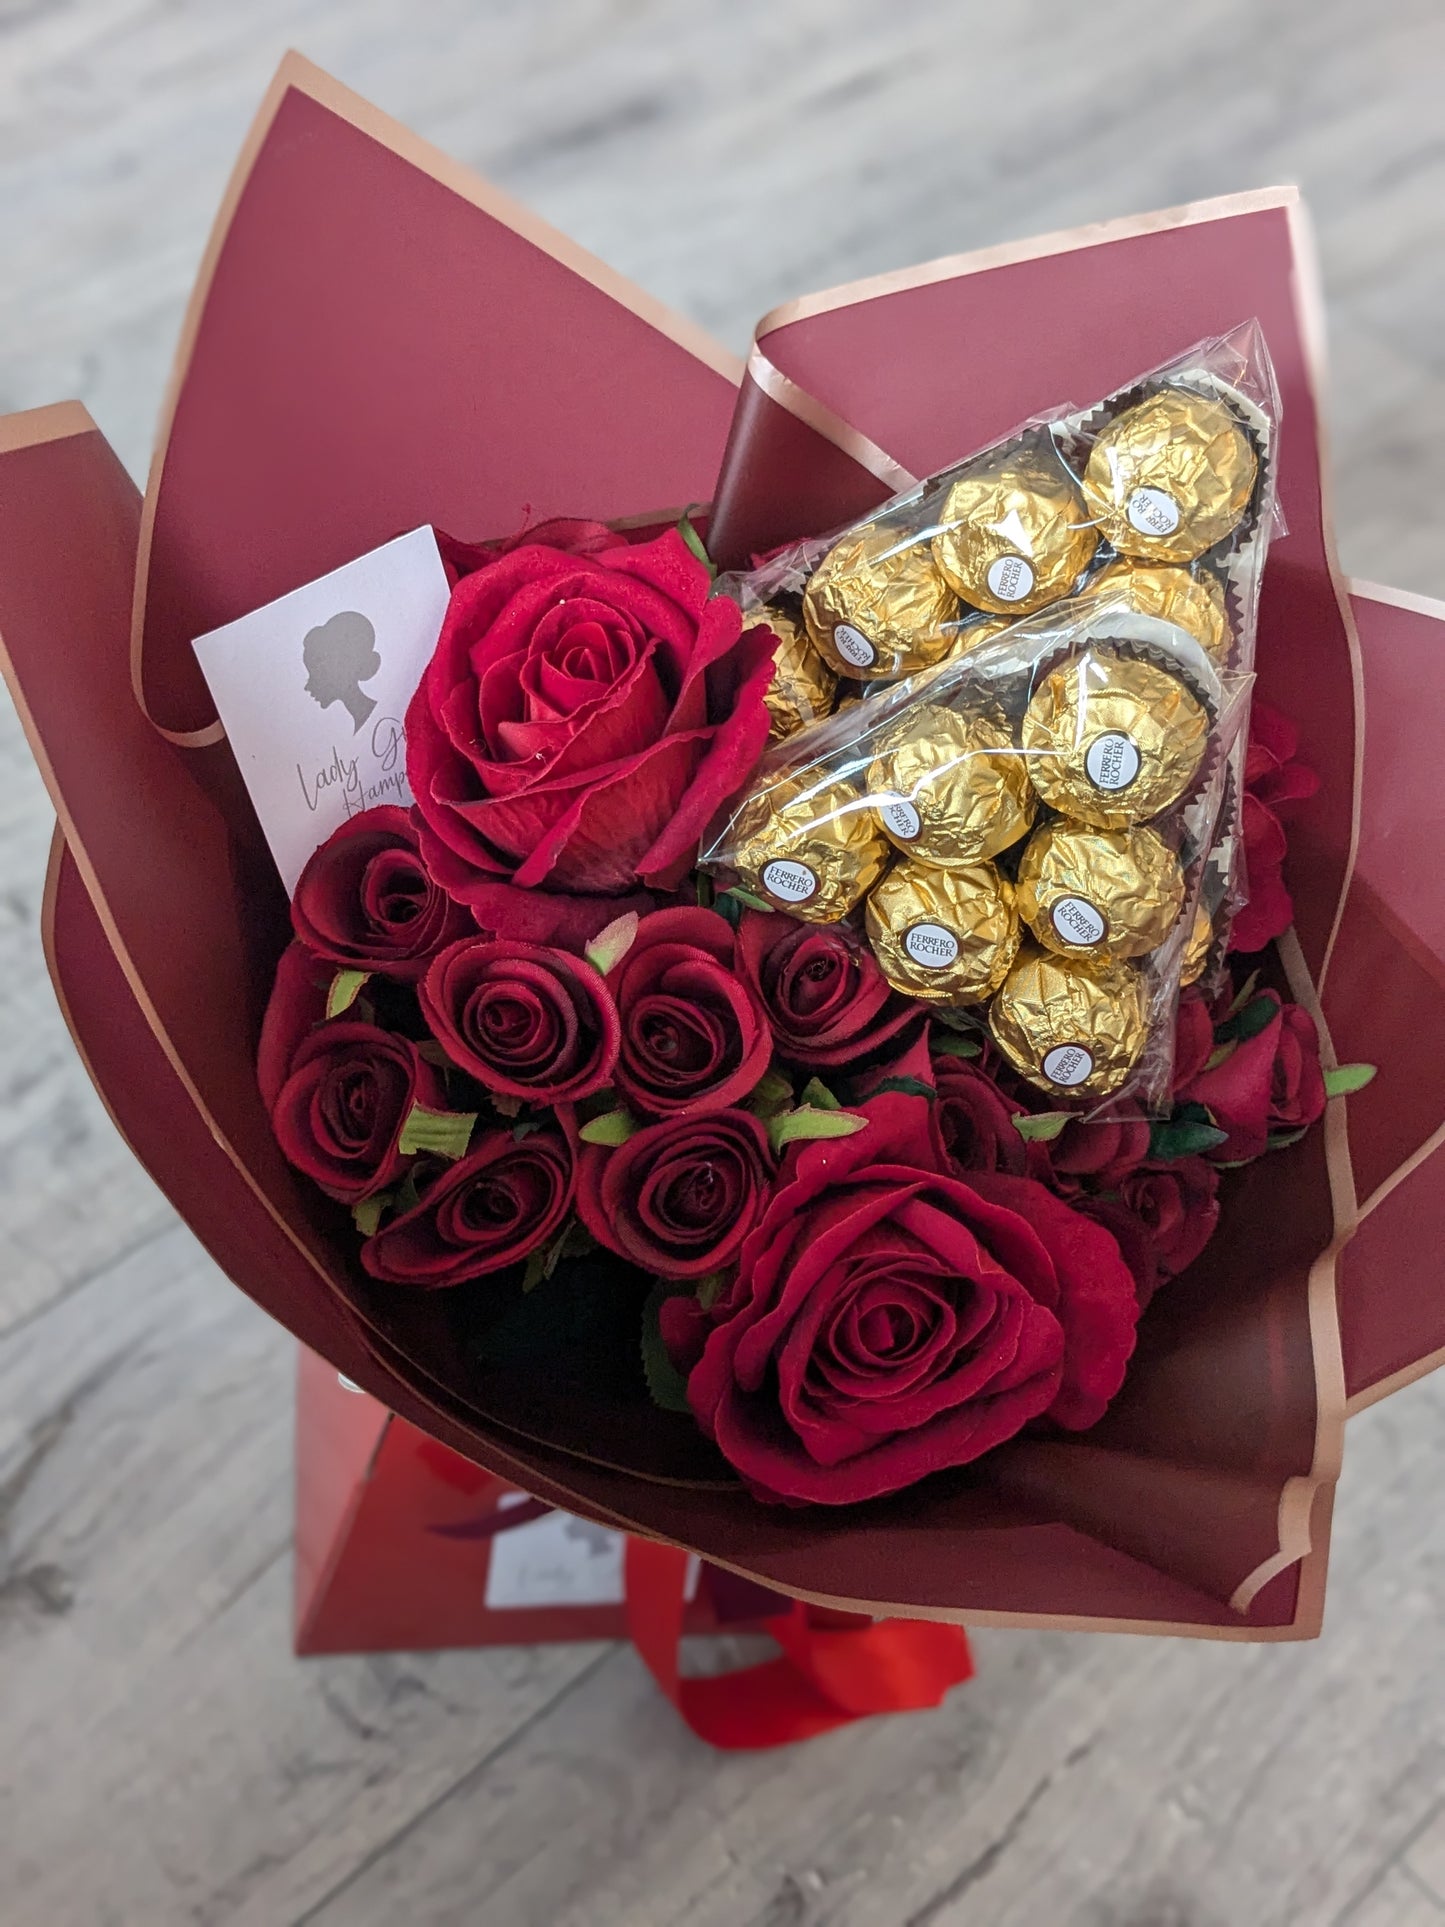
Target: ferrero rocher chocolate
<point>1014,533</point>
<point>973,635</point>
<point>1192,600</point>
<point>1170,477</point>
<point>1111,740</point>
<point>1071,1027</point>
<point>948,786</point>
<point>803,685</point>
<point>811,848</point>
<point>877,606</point>
<point>1196,951</point>
<point>1099,893</point>
<point>947,936</point>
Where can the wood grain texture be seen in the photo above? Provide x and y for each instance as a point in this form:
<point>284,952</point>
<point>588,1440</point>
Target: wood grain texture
<point>162,1758</point>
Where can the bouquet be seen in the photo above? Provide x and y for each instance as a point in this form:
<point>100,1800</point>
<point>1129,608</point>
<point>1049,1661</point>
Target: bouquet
<point>673,1209</point>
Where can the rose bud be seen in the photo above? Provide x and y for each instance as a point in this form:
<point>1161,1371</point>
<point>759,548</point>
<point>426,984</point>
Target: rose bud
<point>526,1020</point>
<point>678,1197</point>
<point>694,1037</point>
<point>825,997</point>
<point>494,1207</point>
<point>366,900</point>
<point>339,1114</point>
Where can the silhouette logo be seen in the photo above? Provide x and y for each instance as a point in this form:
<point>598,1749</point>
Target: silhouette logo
<point>340,655</point>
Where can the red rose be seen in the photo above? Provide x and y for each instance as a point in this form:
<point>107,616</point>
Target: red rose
<point>1269,1082</point>
<point>976,1120</point>
<point>678,1197</point>
<point>694,1037</point>
<point>1273,780</point>
<point>826,999</point>
<point>1162,1216</point>
<point>887,1321</point>
<point>1101,1151</point>
<point>365,900</point>
<point>339,1114</point>
<point>524,1019</point>
<point>1193,1038</point>
<point>492,1208</point>
<point>297,1004</point>
<point>582,718</point>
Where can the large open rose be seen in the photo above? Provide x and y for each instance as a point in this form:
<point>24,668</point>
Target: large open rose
<point>582,718</point>
<point>887,1321</point>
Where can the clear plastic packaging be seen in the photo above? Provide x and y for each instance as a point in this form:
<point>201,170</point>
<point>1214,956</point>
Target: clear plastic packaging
<point>1040,662</point>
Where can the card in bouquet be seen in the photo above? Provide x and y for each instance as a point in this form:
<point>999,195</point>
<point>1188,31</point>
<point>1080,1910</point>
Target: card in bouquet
<point>1200,1503</point>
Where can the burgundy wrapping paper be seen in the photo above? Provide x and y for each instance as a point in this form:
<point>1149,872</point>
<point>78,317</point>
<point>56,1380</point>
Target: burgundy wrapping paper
<point>1190,1509</point>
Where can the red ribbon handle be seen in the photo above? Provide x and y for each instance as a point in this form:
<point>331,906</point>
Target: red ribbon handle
<point>825,1676</point>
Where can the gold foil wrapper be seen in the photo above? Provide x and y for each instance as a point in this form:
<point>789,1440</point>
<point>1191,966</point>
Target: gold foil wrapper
<point>876,606</point>
<point>811,849</point>
<point>1170,477</point>
<point>1071,1028</point>
<point>1192,600</point>
<point>1111,740</point>
<point>1015,533</point>
<point>1196,951</point>
<point>947,936</point>
<point>973,635</point>
<point>1099,893</point>
<point>803,685</point>
<point>948,786</point>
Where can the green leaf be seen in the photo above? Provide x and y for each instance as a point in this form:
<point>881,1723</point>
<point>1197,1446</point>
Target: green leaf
<point>1183,1138</point>
<point>432,1051</point>
<point>446,1134</point>
<point>709,1289</point>
<point>908,1086</point>
<point>1256,1016</point>
<point>1345,1078</point>
<point>540,1265</point>
<point>747,897</point>
<point>344,991</point>
<point>792,1127</point>
<point>504,1104</point>
<point>1220,1053</point>
<point>366,1215</point>
<point>1042,1127</point>
<point>613,1127</point>
<point>664,1381</point>
<point>1245,993</point>
<point>695,542</point>
<point>1281,1140</point>
<point>610,946</point>
<point>771,1094</point>
<point>953,1043</point>
<point>705,892</point>
<point>524,1129</point>
<point>408,1197</point>
<point>816,1093</point>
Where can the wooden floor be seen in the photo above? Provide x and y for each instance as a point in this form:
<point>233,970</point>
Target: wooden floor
<point>162,1758</point>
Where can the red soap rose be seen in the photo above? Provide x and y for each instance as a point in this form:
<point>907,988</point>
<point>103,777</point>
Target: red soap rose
<point>1271,1081</point>
<point>297,1004</point>
<point>694,1037</point>
<point>1100,1151</point>
<point>826,999</point>
<point>1193,1038</point>
<point>976,1119</point>
<point>582,718</point>
<point>1273,781</point>
<point>887,1321</point>
<point>492,1208</point>
<point>366,901</point>
<point>1162,1216</point>
<point>339,1113</point>
<point>678,1197</point>
<point>525,1019</point>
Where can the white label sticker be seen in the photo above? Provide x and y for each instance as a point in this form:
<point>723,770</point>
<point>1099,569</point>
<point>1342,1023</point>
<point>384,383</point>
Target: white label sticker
<point>789,882</point>
<point>899,816</point>
<point>1152,512</point>
<point>1112,760</point>
<point>931,946</point>
<point>557,1561</point>
<point>1077,921</point>
<point>1067,1065</point>
<point>853,646</point>
<point>1011,578</point>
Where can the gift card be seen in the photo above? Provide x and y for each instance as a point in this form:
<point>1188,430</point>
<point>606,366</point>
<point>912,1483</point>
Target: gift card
<point>312,691</point>
<point>559,1561</point>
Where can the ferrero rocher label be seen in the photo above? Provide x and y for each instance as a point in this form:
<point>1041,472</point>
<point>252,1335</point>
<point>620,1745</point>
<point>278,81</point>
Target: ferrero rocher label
<point>1192,599</point>
<point>1099,893</point>
<point>1068,1026</point>
<point>1196,951</point>
<point>876,606</point>
<point>1014,534</point>
<point>803,685</point>
<point>947,936</point>
<point>813,849</point>
<point>1111,740</point>
<point>948,785</point>
<point>1170,477</point>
